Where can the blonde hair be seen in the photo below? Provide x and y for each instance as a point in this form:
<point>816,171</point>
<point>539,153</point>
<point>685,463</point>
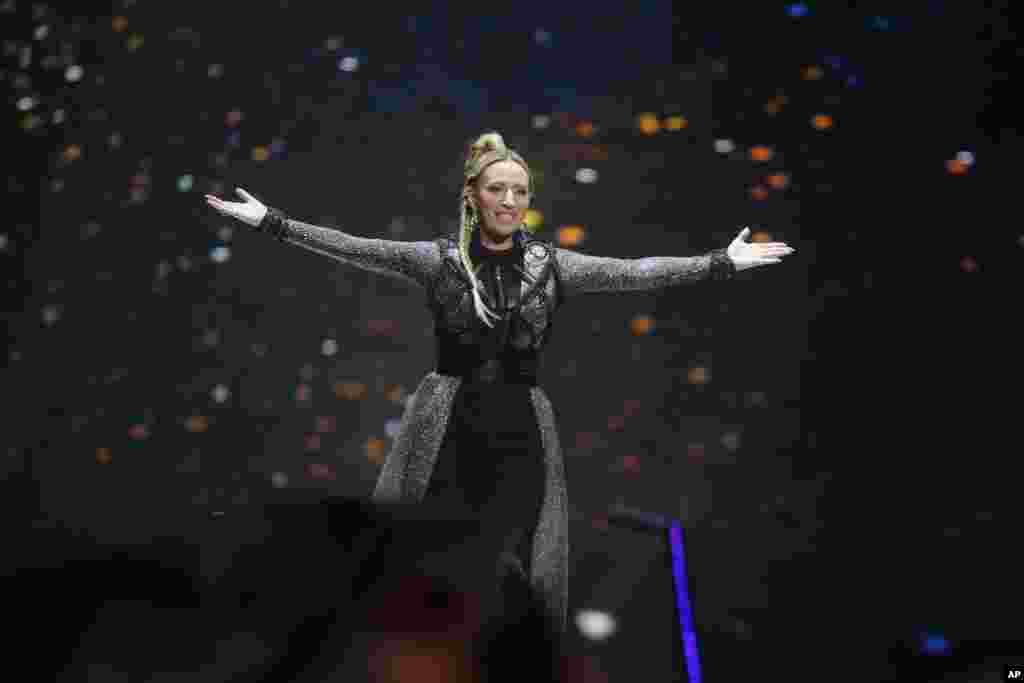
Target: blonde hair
<point>487,149</point>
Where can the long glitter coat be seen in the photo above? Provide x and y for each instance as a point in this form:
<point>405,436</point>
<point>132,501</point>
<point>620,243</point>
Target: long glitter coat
<point>551,276</point>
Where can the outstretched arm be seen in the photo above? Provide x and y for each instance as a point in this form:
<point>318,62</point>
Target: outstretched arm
<point>582,274</point>
<point>415,262</point>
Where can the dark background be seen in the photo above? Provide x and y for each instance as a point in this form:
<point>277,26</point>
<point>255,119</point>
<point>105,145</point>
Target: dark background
<point>847,474</point>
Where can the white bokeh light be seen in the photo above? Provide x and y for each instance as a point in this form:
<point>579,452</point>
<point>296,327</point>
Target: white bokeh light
<point>74,73</point>
<point>595,624</point>
<point>220,393</point>
<point>731,441</point>
<point>724,146</point>
<point>279,479</point>
<point>541,121</point>
<point>965,157</point>
<point>26,103</point>
<point>348,64</point>
<point>329,347</point>
<point>586,176</point>
<point>51,314</point>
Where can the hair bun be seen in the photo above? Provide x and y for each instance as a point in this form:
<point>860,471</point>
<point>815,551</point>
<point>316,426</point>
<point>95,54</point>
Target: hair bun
<point>485,143</point>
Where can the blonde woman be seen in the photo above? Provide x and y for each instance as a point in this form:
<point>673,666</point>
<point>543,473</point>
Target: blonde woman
<point>479,433</point>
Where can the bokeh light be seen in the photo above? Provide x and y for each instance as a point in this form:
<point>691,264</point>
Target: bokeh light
<point>350,391</point>
<point>648,124</point>
<point>571,236</point>
<point>822,121</point>
<point>596,625</point>
<point>641,325</point>
<point>812,73</point>
<point>674,123</point>
<point>533,219</point>
<point>376,450</point>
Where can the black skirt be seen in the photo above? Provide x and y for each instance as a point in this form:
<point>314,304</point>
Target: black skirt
<point>490,466</point>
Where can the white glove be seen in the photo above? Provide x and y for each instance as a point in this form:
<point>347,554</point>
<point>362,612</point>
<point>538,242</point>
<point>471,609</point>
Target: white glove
<point>250,212</point>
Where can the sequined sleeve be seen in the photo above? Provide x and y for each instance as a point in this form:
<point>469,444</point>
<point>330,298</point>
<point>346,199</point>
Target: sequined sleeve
<point>582,274</point>
<point>415,262</point>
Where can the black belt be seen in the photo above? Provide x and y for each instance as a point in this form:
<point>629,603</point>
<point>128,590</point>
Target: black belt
<point>493,371</point>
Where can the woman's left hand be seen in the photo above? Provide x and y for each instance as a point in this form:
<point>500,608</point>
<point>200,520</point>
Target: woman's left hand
<point>750,254</point>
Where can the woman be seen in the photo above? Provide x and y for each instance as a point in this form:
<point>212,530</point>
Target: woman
<point>479,433</point>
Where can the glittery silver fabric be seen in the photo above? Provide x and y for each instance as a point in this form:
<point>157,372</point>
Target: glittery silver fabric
<point>550,276</point>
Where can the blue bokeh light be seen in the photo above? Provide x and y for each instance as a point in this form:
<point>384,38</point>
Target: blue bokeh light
<point>797,9</point>
<point>934,644</point>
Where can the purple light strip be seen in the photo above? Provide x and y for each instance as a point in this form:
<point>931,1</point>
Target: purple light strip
<point>689,634</point>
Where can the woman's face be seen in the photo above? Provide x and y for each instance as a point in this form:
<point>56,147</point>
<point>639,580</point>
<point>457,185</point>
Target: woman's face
<point>502,195</point>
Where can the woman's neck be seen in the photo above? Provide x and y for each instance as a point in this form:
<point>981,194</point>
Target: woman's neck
<point>485,241</point>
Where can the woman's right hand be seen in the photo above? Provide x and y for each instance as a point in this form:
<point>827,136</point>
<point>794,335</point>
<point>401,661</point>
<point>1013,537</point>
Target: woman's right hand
<point>250,212</point>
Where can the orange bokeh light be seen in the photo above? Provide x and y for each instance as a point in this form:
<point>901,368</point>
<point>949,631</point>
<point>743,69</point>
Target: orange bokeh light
<point>376,450</point>
<point>822,121</point>
<point>103,456</point>
<point>72,153</point>
<point>761,153</point>
<point>119,24</point>
<point>197,424</point>
<point>956,167</point>
<point>585,129</point>
<point>698,375</point>
<point>648,124</point>
<point>676,123</point>
<point>349,391</point>
<point>778,181</point>
<point>395,393</point>
<point>761,236</point>
<point>775,105</point>
<point>260,153</point>
<point>571,235</point>
<point>812,73</point>
<point>641,325</point>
